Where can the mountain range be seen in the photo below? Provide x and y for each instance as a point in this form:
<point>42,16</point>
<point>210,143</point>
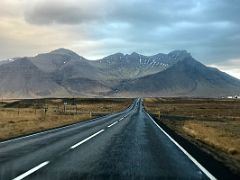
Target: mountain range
<point>63,73</point>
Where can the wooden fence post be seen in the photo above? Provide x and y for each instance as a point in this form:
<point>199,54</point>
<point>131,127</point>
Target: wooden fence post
<point>18,109</point>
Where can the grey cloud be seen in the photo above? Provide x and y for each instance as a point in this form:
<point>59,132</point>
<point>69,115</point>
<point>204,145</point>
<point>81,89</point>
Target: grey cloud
<point>63,12</point>
<point>132,11</point>
<point>209,29</point>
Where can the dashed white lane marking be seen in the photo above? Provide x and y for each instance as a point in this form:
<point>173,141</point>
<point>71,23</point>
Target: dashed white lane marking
<point>31,171</point>
<point>205,171</point>
<point>83,141</point>
<point>112,124</point>
<point>57,129</point>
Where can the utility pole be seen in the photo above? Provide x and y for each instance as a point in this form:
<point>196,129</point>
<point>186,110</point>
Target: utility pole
<point>64,108</point>
<point>45,111</point>
<point>18,109</point>
<point>35,108</point>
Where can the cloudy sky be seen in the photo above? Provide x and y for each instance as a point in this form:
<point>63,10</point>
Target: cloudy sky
<point>208,29</point>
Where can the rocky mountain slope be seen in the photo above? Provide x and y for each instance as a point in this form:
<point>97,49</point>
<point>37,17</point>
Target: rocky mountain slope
<point>120,66</point>
<point>64,73</point>
<point>21,78</point>
<point>185,78</point>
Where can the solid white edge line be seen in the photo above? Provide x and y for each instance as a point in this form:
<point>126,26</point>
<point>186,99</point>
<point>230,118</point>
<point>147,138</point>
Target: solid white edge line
<point>31,171</point>
<point>88,138</point>
<point>204,170</point>
<point>112,124</point>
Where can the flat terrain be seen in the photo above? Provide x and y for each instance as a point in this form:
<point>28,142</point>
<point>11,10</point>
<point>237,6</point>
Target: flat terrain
<point>21,117</point>
<point>212,124</point>
<point>124,145</point>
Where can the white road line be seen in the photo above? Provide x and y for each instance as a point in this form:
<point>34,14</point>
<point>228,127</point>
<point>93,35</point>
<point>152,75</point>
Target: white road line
<point>22,176</point>
<point>112,124</point>
<point>83,141</point>
<point>205,171</point>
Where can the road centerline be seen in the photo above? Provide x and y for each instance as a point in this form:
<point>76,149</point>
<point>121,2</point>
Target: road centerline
<point>22,176</point>
<point>112,124</point>
<point>85,140</point>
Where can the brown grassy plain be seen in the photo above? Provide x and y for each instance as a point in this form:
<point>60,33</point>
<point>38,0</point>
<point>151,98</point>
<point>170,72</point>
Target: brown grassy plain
<point>212,124</point>
<point>22,117</point>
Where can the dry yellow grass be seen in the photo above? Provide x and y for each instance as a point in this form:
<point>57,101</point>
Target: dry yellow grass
<point>217,138</point>
<point>20,118</point>
<point>213,124</point>
<point>27,121</point>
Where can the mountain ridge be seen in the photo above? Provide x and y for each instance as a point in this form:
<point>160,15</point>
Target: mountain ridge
<point>62,72</point>
<point>189,72</point>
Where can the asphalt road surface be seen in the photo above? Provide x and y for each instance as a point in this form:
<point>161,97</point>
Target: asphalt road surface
<point>125,145</point>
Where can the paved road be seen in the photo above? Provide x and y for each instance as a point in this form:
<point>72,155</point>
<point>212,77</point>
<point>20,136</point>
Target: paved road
<point>125,145</point>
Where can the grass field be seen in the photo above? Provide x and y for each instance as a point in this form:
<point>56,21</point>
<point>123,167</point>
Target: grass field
<point>21,117</point>
<point>212,124</point>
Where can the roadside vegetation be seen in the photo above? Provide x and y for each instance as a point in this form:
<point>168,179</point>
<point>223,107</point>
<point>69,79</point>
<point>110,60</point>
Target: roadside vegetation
<point>22,117</point>
<point>211,124</point>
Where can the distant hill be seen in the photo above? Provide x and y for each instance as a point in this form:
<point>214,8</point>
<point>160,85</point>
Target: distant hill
<point>21,78</point>
<point>62,72</point>
<point>120,66</point>
<point>186,78</point>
